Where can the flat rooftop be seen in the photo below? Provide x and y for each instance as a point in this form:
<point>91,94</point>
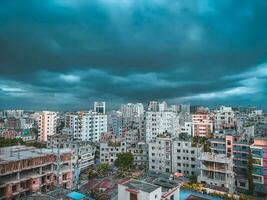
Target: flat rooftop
<point>141,185</point>
<point>15,153</point>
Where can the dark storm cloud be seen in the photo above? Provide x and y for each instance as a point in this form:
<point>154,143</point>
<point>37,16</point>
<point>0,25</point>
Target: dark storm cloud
<point>129,50</point>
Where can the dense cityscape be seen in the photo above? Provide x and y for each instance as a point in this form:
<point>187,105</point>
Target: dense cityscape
<point>133,100</point>
<point>151,151</point>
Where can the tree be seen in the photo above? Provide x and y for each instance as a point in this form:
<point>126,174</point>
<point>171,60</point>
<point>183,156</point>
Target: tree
<point>101,168</point>
<point>193,178</point>
<point>91,173</point>
<point>249,174</point>
<point>124,160</point>
<point>10,142</point>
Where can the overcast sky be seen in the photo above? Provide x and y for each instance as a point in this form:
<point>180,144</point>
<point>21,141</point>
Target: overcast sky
<point>64,54</point>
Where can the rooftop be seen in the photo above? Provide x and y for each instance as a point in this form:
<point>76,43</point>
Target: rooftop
<point>141,185</point>
<point>21,152</point>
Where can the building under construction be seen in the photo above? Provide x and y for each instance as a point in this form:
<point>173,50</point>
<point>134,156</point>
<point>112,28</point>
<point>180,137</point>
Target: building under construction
<point>26,170</point>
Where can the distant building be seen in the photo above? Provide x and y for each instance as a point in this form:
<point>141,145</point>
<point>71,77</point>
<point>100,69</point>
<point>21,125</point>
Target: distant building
<point>47,125</point>
<point>100,107</point>
<point>224,118</point>
<point>87,126</point>
<point>153,106</point>
<point>160,122</point>
<point>201,124</point>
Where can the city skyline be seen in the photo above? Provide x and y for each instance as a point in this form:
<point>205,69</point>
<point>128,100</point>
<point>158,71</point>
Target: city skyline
<point>62,55</point>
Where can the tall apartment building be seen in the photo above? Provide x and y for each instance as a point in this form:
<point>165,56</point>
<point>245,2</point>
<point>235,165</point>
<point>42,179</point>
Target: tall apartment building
<point>216,171</point>
<point>185,157</point>
<point>224,118</point>
<point>201,124</point>
<point>83,151</point>
<point>100,107</point>
<point>160,122</point>
<point>131,110</point>
<point>87,126</point>
<point>47,125</point>
<point>170,155</point>
<point>163,106</point>
<point>110,148</point>
<point>160,154</point>
<point>259,172</point>
<point>93,125</point>
<point>153,106</point>
<point>237,150</point>
<point>140,154</point>
<point>25,170</point>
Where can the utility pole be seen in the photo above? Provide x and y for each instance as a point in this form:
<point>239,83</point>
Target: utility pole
<point>77,166</point>
<point>58,169</point>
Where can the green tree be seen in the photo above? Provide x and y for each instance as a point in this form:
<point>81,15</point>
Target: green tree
<point>249,174</point>
<point>101,168</point>
<point>124,160</point>
<point>10,142</point>
<point>193,179</point>
<point>91,173</point>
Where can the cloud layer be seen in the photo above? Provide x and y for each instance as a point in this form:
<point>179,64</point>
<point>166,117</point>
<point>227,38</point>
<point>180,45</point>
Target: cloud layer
<point>67,53</point>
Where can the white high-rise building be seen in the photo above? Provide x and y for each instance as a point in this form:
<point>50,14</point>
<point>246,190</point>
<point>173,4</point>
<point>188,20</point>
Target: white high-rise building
<point>153,106</point>
<point>163,106</point>
<point>159,122</point>
<point>87,126</point>
<point>224,118</point>
<point>100,107</point>
<point>93,125</point>
<point>47,125</point>
<point>139,109</point>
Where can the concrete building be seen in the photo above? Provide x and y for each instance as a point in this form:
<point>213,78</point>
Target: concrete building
<point>201,124</point>
<point>160,154</point>
<point>163,106</point>
<point>216,171</point>
<point>140,190</point>
<point>110,148</point>
<point>100,107</point>
<point>170,155</point>
<point>153,106</point>
<point>83,151</point>
<point>47,125</point>
<point>140,154</point>
<point>259,172</point>
<point>186,128</point>
<point>87,126</point>
<point>160,122</point>
<point>185,157</point>
<point>25,170</point>
<point>224,118</point>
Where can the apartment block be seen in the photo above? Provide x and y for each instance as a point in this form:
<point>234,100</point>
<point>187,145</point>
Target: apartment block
<point>47,125</point>
<point>217,171</point>
<point>224,118</point>
<point>201,124</point>
<point>25,170</point>
<point>140,154</point>
<point>185,157</point>
<point>110,148</point>
<point>259,172</point>
<point>87,126</point>
<point>160,122</point>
